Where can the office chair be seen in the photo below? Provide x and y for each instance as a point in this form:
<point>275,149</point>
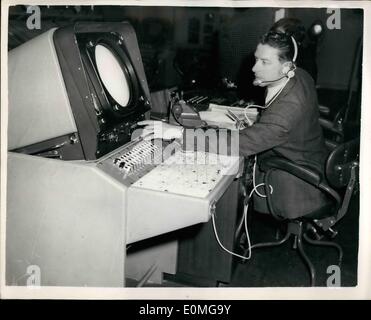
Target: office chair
<point>341,171</point>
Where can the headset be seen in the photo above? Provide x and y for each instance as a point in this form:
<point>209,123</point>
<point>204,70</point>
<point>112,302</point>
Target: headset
<point>288,71</point>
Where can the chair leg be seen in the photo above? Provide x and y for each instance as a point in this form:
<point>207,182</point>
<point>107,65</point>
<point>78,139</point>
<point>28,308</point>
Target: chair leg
<point>307,261</point>
<point>326,243</point>
<point>272,244</point>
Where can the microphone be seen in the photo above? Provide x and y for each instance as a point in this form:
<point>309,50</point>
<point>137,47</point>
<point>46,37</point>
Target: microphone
<point>258,82</point>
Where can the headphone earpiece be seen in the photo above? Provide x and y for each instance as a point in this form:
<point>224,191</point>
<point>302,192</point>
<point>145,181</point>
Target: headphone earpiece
<point>289,71</point>
<point>290,74</point>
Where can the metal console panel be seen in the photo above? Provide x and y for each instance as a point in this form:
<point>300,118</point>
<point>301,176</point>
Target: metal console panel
<point>40,110</point>
<point>168,192</point>
<point>66,218</point>
<point>178,193</point>
<point>73,219</point>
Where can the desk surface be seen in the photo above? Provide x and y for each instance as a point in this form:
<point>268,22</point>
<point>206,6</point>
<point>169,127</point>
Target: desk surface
<point>193,174</point>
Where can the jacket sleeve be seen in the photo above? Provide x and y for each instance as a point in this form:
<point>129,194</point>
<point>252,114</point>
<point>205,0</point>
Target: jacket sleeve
<point>273,128</point>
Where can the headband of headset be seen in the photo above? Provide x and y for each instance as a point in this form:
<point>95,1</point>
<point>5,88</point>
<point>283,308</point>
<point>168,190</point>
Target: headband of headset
<point>284,36</point>
<point>295,49</point>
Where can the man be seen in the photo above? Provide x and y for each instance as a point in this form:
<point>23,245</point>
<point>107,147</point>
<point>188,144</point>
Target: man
<point>288,126</point>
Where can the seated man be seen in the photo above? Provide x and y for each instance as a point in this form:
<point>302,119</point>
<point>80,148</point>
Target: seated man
<point>288,126</point>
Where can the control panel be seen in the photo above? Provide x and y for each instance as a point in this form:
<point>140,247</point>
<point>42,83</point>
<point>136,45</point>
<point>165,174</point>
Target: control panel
<point>117,135</point>
<point>167,188</point>
<point>194,174</point>
<point>132,161</point>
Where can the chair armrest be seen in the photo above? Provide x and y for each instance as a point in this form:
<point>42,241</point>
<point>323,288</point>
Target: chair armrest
<point>305,173</point>
<point>331,145</point>
<point>329,125</point>
<point>324,110</point>
<point>310,175</point>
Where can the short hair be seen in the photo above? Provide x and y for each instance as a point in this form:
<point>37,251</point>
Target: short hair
<point>281,41</point>
<point>291,26</point>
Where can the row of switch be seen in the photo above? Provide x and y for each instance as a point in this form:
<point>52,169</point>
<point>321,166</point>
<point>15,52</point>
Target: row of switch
<point>135,158</point>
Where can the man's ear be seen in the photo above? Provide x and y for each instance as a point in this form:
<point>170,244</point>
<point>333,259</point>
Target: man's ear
<point>286,67</point>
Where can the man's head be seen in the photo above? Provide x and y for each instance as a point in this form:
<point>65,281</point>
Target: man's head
<point>274,58</point>
<point>291,26</point>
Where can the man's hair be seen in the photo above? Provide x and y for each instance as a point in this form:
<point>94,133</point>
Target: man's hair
<point>291,26</point>
<point>281,41</point>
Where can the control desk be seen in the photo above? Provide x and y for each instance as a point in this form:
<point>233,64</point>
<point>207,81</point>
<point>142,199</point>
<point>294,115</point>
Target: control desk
<point>80,189</point>
<point>164,181</point>
<point>74,219</point>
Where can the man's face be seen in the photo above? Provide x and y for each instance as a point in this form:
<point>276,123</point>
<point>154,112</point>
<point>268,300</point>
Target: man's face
<point>267,66</point>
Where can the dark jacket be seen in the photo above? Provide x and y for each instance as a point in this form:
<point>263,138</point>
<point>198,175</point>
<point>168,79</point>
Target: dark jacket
<point>289,128</point>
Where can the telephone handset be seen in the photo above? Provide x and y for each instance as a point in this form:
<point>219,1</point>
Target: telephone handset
<point>185,115</point>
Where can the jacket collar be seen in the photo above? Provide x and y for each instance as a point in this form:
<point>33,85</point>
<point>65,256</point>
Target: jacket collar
<point>290,84</point>
<point>287,88</point>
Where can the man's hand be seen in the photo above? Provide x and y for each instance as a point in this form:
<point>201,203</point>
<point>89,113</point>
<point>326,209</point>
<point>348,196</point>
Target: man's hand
<point>160,130</point>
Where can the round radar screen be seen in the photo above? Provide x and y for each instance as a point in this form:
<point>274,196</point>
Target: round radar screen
<point>112,74</point>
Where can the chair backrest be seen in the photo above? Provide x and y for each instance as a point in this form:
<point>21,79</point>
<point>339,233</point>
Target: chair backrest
<point>342,171</point>
<point>340,163</point>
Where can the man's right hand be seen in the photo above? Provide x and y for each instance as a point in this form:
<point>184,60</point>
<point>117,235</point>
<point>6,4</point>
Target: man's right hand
<point>160,130</point>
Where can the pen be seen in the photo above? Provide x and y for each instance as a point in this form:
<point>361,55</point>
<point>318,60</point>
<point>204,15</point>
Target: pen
<point>230,117</point>
<point>238,122</point>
